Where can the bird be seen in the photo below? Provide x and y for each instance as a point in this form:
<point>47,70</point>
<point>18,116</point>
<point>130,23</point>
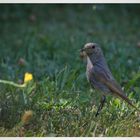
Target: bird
<point>99,75</point>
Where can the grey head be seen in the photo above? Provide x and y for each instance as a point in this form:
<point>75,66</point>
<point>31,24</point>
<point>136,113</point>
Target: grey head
<point>93,51</point>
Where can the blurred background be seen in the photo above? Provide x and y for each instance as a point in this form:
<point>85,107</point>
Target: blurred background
<point>48,36</point>
<point>44,39</point>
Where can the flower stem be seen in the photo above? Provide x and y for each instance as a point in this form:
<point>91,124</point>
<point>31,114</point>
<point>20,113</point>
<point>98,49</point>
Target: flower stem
<point>12,83</point>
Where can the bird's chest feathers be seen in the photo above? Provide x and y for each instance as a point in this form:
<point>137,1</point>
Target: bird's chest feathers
<point>90,68</point>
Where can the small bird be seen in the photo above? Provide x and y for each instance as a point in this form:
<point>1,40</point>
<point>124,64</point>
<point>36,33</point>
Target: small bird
<point>99,75</point>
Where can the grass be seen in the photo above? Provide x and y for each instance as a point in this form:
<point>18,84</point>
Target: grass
<point>44,40</point>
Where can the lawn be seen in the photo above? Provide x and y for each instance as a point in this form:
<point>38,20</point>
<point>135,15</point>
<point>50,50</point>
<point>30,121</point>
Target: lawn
<point>44,40</point>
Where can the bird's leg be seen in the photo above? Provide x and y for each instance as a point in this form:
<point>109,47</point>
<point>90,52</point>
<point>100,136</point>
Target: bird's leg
<point>103,99</point>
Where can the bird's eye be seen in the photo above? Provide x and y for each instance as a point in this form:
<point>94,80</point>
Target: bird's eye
<point>93,47</point>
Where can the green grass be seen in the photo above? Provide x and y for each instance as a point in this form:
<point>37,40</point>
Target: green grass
<point>48,38</point>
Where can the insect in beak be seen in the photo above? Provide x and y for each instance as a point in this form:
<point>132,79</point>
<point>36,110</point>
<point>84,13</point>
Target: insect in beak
<point>82,53</point>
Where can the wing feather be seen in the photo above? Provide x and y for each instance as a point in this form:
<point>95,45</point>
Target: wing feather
<point>113,86</point>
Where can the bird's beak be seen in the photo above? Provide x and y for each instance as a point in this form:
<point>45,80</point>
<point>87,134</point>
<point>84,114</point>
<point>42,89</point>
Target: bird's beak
<point>83,49</point>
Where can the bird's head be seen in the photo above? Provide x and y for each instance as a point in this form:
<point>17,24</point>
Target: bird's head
<point>91,49</point>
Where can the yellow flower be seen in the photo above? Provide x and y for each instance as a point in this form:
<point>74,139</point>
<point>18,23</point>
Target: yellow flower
<point>28,77</point>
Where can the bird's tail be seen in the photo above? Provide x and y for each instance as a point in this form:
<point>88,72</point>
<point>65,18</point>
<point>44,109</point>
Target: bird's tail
<point>124,97</point>
<point>118,92</point>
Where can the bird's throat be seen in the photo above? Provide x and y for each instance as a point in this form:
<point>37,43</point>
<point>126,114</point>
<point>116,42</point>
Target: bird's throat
<point>89,63</point>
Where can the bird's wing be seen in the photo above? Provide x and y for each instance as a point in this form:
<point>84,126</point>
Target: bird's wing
<point>114,87</point>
